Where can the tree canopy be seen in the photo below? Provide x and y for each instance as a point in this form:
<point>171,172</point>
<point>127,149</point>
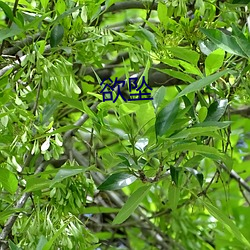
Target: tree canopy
<point>124,124</point>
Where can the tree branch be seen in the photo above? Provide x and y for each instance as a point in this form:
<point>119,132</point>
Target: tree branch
<point>20,203</point>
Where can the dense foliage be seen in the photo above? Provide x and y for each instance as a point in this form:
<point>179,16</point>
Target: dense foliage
<point>79,172</point>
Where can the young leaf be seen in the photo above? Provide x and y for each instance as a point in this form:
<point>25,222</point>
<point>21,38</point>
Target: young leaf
<point>56,35</point>
<point>186,54</point>
<point>162,12</point>
<point>166,117</point>
<point>117,181</point>
<point>214,61</point>
<point>132,203</point>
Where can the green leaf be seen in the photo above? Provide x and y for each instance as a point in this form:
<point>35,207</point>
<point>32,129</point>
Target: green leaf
<point>166,117</point>
<point>66,172</point>
<point>219,125</point>
<point>132,203</point>
<point>9,211</point>
<point>159,97</point>
<point>162,12</point>
<point>13,246</point>
<point>49,244</point>
<point>245,2</point>
<point>56,35</point>
<point>117,181</point>
<point>177,74</point>
<point>41,243</point>
<point>8,180</point>
<point>98,210</point>
<point>9,32</point>
<point>174,172</point>
<point>223,41</point>
<point>193,132</point>
<point>173,196</point>
<point>70,101</point>
<point>197,85</point>
<point>34,183</point>
<point>202,114</point>
<point>227,223</point>
<point>7,10</point>
<point>214,61</point>
<point>149,36</point>
<point>198,175</point>
<point>186,54</point>
<point>216,110</point>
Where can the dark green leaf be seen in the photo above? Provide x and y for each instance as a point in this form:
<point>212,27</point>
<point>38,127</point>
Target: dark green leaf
<point>223,41</point>
<point>216,110</point>
<point>117,181</point>
<point>198,175</point>
<point>174,172</point>
<point>132,203</point>
<point>56,35</point>
<point>166,117</point>
<point>8,180</point>
<point>245,2</point>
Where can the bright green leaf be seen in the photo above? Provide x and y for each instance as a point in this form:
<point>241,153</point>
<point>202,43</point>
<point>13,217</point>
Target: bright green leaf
<point>214,61</point>
<point>8,180</point>
<point>198,85</point>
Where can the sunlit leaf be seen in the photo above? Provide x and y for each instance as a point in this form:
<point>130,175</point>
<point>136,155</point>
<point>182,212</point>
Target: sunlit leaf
<point>117,181</point>
<point>198,85</point>
<point>8,180</point>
